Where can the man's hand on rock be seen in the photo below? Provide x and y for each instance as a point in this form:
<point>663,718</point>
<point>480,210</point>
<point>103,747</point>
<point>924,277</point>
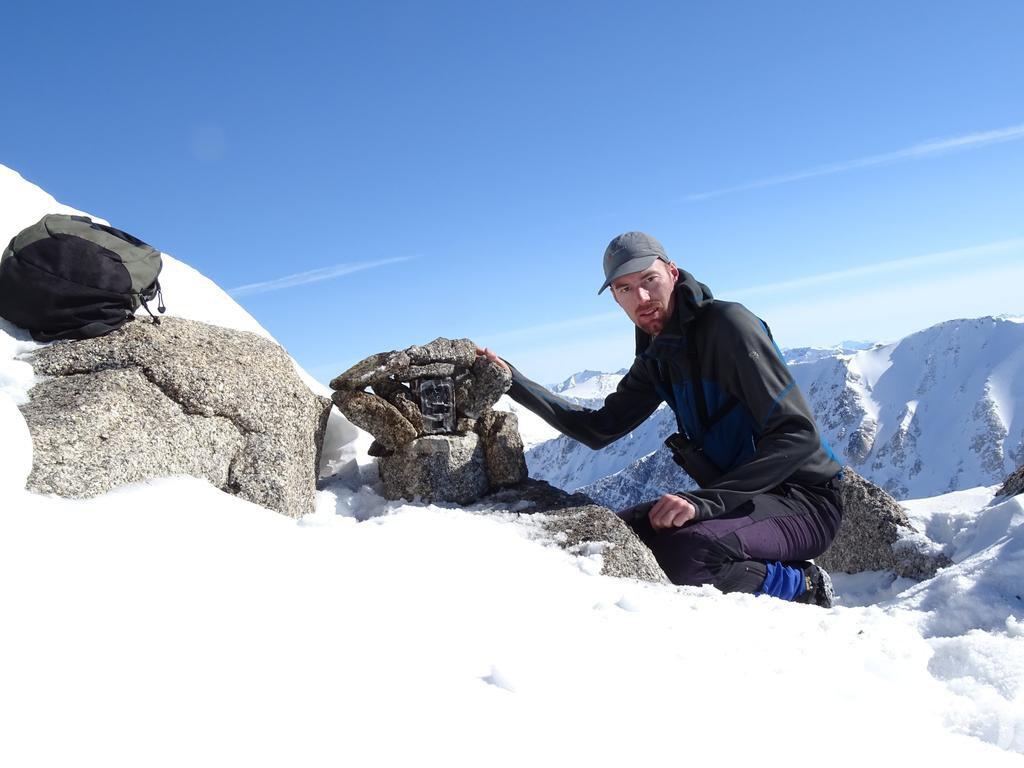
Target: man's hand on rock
<point>493,357</point>
<point>671,511</point>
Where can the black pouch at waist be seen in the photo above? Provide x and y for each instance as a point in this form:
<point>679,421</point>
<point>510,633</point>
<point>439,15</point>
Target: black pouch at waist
<point>691,458</point>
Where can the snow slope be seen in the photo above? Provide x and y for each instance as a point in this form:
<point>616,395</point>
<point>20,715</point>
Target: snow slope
<point>168,623</point>
<point>937,411</point>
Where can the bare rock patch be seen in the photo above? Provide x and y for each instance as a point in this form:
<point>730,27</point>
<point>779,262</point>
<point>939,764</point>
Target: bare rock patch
<point>181,397</point>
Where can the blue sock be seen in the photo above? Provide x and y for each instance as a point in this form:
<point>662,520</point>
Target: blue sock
<point>783,581</point>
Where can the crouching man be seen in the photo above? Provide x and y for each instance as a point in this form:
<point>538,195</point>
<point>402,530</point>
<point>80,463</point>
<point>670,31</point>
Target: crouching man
<point>769,491</point>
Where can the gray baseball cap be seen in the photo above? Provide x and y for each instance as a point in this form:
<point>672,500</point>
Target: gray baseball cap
<point>630,252</point>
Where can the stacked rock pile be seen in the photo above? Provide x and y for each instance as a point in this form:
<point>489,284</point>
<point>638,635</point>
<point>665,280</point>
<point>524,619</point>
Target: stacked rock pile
<point>430,411</point>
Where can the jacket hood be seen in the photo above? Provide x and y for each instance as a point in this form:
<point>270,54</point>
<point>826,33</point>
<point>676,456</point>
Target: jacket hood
<point>691,298</point>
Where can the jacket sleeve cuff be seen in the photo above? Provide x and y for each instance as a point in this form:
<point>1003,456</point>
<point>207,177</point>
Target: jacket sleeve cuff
<point>700,506</point>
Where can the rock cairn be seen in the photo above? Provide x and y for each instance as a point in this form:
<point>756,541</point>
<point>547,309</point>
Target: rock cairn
<point>456,458</point>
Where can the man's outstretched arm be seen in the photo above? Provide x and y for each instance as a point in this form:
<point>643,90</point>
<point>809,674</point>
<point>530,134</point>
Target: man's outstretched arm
<point>623,411</point>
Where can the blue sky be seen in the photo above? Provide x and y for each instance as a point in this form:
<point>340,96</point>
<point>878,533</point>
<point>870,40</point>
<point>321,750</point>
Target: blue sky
<point>379,174</point>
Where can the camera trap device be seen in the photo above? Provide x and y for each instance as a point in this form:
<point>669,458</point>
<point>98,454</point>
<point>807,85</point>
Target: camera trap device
<point>436,399</point>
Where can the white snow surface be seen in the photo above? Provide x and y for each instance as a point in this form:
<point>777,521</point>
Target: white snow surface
<point>532,428</point>
<point>167,623</point>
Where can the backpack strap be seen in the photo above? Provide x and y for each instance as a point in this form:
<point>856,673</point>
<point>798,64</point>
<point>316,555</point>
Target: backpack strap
<point>154,291</point>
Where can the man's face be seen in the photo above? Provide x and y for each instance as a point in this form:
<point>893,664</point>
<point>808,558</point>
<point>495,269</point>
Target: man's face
<point>648,297</point>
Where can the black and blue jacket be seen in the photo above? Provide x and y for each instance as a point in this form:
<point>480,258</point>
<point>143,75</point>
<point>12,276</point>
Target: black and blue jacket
<point>754,425</point>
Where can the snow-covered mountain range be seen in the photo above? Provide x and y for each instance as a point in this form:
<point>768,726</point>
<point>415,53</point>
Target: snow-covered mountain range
<point>941,410</point>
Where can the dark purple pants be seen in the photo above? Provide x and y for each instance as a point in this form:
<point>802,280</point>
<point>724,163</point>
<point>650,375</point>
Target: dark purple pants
<point>789,524</point>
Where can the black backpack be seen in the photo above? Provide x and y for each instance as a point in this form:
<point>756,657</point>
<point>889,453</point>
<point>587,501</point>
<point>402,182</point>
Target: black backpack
<point>67,277</point>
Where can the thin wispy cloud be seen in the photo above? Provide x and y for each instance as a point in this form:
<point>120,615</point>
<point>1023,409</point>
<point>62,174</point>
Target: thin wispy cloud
<point>313,276</point>
<point>972,253</point>
<point>916,152</point>
<point>549,328</point>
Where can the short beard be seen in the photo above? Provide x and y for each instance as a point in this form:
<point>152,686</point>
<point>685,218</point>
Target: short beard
<point>656,323</point>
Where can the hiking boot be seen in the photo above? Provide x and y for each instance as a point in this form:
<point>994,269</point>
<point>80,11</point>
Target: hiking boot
<point>818,586</point>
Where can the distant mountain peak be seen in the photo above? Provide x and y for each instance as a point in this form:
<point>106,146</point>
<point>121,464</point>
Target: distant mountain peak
<point>576,379</point>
